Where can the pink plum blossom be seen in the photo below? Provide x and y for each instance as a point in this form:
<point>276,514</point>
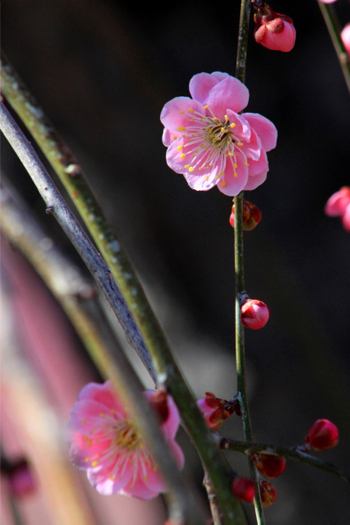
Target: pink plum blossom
<point>273,30</point>
<point>210,142</point>
<point>106,443</point>
<point>338,205</point>
<point>345,36</point>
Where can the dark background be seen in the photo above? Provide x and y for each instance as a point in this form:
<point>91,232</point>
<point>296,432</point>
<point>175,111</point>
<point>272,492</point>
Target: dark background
<point>103,70</point>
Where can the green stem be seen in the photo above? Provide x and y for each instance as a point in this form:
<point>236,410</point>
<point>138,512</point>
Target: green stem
<point>294,453</point>
<point>333,27</point>
<point>241,65</point>
<point>124,275</point>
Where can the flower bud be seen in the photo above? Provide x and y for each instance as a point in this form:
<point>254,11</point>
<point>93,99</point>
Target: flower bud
<point>251,216</point>
<point>254,314</point>
<point>322,435</point>
<point>269,465</point>
<point>273,30</point>
<point>215,410</point>
<point>21,479</point>
<point>268,494</point>
<point>159,403</point>
<point>243,489</point>
<point>345,36</point>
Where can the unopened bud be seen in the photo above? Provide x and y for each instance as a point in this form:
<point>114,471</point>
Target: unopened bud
<point>251,216</point>
<point>159,403</point>
<point>269,465</point>
<point>20,478</point>
<point>243,489</point>
<point>273,30</point>
<point>268,494</point>
<point>254,314</point>
<point>322,435</point>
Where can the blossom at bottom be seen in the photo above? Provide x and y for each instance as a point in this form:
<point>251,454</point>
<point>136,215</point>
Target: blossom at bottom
<point>106,443</point>
<point>338,205</point>
<point>211,142</point>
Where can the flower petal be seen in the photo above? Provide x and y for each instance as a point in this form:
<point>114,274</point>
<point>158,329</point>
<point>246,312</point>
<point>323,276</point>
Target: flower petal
<point>265,129</point>
<point>230,93</point>
<point>230,184</point>
<point>200,86</point>
<point>201,182</point>
<point>254,182</point>
<point>176,113</point>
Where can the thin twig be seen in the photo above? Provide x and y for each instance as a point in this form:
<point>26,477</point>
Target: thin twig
<point>167,369</point>
<point>295,453</point>
<point>241,65</point>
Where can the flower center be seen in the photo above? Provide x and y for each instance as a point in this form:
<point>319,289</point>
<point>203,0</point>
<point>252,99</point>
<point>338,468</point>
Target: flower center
<point>127,437</point>
<point>218,134</point>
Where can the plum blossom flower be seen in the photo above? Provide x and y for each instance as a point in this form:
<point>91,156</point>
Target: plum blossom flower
<point>106,443</point>
<point>338,205</point>
<point>210,142</point>
<point>273,30</point>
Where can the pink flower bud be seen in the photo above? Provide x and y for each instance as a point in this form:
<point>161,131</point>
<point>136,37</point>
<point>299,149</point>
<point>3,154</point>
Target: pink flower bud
<point>21,479</point>
<point>339,205</point>
<point>251,216</point>
<point>322,435</point>
<point>269,465</point>
<point>345,36</point>
<point>254,314</point>
<point>268,494</point>
<point>273,30</point>
<point>215,410</point>
<point>243,489</point>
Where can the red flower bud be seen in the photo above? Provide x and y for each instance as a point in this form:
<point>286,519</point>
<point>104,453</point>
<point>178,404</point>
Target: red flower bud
<point>269,465</point>
<point>215,410</point>
<point>251,216</point>
<point>243,489</point>
<point>322,435</point>
<point>254,314</point>
<point>273,30</point>
<point>345,36</point>
<point>268,494</point>
<point>159,403</point>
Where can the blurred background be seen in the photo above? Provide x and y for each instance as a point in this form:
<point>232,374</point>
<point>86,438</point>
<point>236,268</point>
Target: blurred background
<point>102,70</point>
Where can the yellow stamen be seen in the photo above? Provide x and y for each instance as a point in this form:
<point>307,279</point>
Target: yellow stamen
<point>179,148</point>
<point>233,125</point>
<point>223,183</point>
<point>182,156</point>
<point>235,174</point>
<point>191,169</point>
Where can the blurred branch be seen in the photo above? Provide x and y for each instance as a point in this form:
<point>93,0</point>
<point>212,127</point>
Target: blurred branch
<point>295,453</point>
<point>168,372</point>
<point>78,299</point>
<point>241,66</point>
<point>333,27</point>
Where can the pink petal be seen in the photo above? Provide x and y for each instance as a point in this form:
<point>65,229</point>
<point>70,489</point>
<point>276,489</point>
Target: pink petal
<point>242,127</point>
<point>266,131</point>
<point>102,393</point>
<point>139,490</point>
<point>230,93</point>
<point>200,86</point>
<point>258,166</point>
<point>232,185</point>
<point>201,182</point>
<point>90,416</point>
<point>252,149</point>
<point>168,137</point>
<point>175,114</point>
<point>102,481</point>
<point>254,182</point>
